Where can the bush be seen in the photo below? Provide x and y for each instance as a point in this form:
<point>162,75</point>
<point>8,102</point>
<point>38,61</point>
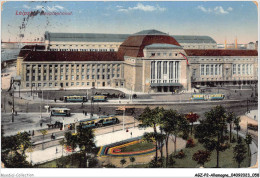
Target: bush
<point>190,143</point>
<point>180,155</point>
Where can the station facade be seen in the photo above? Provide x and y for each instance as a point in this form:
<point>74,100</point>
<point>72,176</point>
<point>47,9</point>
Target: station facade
<point>148,61</point>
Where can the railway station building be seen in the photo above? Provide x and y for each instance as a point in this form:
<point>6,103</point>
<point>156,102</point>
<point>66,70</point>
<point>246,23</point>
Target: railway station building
<point>148,61</point>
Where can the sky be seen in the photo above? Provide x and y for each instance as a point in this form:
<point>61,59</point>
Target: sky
<point>218,19</point>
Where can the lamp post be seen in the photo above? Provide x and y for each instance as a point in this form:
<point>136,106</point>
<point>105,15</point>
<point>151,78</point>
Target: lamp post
<point>124,118</point>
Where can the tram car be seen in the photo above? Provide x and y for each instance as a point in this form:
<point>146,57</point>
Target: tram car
<point>208,97</point>
<point>216,96</point>
<point>199,97</point>
<point>75,98</point>
<point>98,122</point>
<point>60,112</point>
<point>99,98</point>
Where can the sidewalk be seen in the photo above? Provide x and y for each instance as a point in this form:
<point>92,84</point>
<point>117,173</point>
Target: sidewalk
<point>41,156</point>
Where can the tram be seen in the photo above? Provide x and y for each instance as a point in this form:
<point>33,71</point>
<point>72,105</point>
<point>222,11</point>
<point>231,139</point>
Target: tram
<point>208,97</point>
<point>60,112</point>
<point>98,122</point>
<point>99,98</point>
<point>75,98</point>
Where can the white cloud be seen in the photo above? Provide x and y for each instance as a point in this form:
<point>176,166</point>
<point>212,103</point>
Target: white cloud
<point>141,7</point>
<point>215,10</point>
<point>59,7</point>
<point>203,9</point>
<point>230,9</point>
<point>27,7</point>
<point>220,10</point>
<point>50,9</point>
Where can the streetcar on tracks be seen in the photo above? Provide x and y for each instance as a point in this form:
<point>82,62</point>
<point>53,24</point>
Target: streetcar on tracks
<point>98,122</point>
<point>205,97</point>
<point>75,98</point>
<point>60,112</point>
<point>99,98</point>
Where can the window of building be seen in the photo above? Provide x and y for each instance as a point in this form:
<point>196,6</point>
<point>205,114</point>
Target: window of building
<point>82,83</point>
<point>97,77</point>
<point>82,70</point>
<point>164,67</point>
<point>202,69</point>
<point>72,70</point>
<point>72,77</point>
<point>50,84</point>
<point>158,54</point>
<point>234,69</point>
<point>55,77</point>
<point>238,69</point>
<point>66,77</point>
<point>44,84</point>
<point>82,77</point>
<point>93,70</point>
<point>88,83</point>
<point>108,76</point>
<point>77,77</point>
<point>211,69</point>
<point>72,83</point>
<point>67,84</point>
<point>61,77</point>
<point>87,70</point>
<point>207,69</point>
<point>118,75</point>
<point>216,69</point>
<point>27,78</point>
<point>77,70</point>
<point>247,72</point>
<point>87,76</point>
<point>27,85</point>
<point>33,78</point>
<point>93,76</point>
<point>39,84</point>
<point>77,83</point>
<point>243,69</point>
<point>50,77</point>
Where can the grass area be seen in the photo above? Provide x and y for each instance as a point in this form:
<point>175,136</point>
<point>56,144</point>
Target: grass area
<point>138,147</point>
<point>225,160</point>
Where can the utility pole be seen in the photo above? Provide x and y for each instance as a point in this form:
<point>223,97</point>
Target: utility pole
<point>247,105</point>
<point>41,104</point>
<point>124,118</point>
<point>4,104</point>
<point>12,83</point>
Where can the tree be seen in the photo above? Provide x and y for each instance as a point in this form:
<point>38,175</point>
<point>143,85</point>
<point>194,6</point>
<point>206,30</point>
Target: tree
<point>201,156</point>
<point>210,131</point>
<point>248,140</point>
<point>179,124</point>
<point>239,153</point>
<point>152,118</point>
<point>43,132</point>
<point>13,150</point>
<point>62,143</point>
<point>168,122</point>
<point>192,117</point>
<point>84,139</point>
<point>24,141</point>
<point>236,122</point>
<point>132,160</point>
<point>230,118</point>
<point>122,161</point>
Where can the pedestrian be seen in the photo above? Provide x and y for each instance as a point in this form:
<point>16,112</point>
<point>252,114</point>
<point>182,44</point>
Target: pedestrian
<point>55,100</point>
<point>51,136</point>
<point>254,117</point>
<point>41,124</point>
<point>54,136</point>
<point>56,150</point>
<point>83,112</point>
<point>33,133</point>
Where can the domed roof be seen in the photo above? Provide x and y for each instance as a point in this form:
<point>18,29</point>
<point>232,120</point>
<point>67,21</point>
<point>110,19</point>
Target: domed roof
<point>150,32</point>
<point>133,46</point>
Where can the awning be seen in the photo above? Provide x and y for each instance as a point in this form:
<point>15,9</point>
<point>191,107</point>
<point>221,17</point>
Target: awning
<point>166,84</point>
